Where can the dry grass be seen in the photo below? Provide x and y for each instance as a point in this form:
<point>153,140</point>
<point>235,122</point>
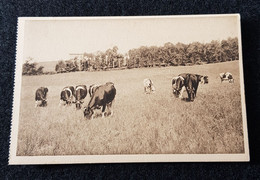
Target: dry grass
<point>142,123</point>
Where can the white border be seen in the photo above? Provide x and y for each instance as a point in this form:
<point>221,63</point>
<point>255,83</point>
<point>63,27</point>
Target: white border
<point>13,159</point>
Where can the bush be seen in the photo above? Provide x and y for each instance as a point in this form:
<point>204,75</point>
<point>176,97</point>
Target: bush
<point>31,69</point>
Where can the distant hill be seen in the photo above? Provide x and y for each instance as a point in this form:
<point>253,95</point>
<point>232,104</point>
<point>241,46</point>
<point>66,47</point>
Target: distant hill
<point>49,66</point>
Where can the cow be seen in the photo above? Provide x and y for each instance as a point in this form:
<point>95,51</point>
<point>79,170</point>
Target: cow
<point>66,95</point>
<point>227,76</point>
<point>203,79</point>
<point>178,86</point>
<point>80,94</point>
<point>148,85</point>
<point>92,89</point>
<point>41,97</point>
<point>103,97</point>
<point>191,83</point>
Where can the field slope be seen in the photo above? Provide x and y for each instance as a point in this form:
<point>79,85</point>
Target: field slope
<point>142,123</point>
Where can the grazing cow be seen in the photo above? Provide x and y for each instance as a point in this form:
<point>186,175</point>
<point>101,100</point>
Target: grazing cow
<point>148,85</point>
<point>92,89</point>
<point>66,95</point>
<point>80,93</point>
<point>102,97</point>
<point>178,86</point>
<point>203,79</point>
<point>41,97</point>
<point>227,76</point>
<point>191,83</point>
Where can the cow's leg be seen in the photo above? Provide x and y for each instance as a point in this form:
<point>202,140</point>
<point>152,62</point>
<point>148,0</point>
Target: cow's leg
<point>103,111</point>
<point>110,107</point>
<point>196,88</point>
<point>36,104</point>
<point>94,113</point>
<point>181,92</point>
<point>112,104</point>
<point>145,90</point>
<point>189,96</point>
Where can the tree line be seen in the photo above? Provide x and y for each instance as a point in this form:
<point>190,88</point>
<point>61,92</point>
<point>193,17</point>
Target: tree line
<point>30,68</point>
<point>169,54</point>
<point>93,61</point>
<point>184,54</point>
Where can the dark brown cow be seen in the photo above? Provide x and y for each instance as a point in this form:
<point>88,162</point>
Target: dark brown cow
<point>66,95</point>
<point>191,83</point>
<point>103,97</point>
<point>80,94</point>
<point>41,97</point>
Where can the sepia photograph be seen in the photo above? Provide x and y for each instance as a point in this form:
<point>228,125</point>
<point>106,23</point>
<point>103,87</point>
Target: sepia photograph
<point>129,89</point>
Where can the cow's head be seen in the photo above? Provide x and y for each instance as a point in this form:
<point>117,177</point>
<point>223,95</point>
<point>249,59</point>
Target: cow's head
<point>45,91</point>
<point>175,92</point>
<point>230,76</point>
<point>78,104</point>
<point>44,103</point>
<point>88,112</point>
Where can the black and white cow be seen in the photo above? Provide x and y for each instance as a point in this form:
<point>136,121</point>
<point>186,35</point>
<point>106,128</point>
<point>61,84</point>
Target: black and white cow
<point>80,94</point>
<point>41,97</point>
<point>203,79</point>
<point>178,86</point>
<point>148,86</point>
<point>66,95</point>
<point>92,89</point>
<point>191,83</point>
<point>227,76</point>
<point>102,97</point>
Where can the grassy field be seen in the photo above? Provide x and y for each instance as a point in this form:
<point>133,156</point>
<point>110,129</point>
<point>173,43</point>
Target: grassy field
<point>142,123</point>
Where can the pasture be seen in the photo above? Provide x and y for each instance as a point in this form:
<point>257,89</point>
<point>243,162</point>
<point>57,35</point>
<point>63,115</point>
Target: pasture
<point>142,123</point>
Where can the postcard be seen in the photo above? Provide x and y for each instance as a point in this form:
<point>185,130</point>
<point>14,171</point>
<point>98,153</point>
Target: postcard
<point>129,89</point>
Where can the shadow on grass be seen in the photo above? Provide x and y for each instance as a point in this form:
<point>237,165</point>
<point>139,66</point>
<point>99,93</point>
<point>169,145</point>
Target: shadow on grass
<point>99,115</point>
<point>186,99</point>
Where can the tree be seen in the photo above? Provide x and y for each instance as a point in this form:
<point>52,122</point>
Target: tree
<point>213,52</point>
<point>181,53</point>
<point>233,45</point>
<point>30,68</point>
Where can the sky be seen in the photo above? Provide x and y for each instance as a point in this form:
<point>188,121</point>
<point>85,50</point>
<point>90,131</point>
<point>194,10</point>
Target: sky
<point>55,39</point>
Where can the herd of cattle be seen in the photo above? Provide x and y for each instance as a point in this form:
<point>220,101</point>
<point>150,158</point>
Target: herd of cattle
<point>103,96</point>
